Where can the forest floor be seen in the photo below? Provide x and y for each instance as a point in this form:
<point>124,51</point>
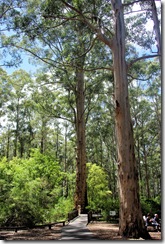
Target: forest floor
<point>101,230</point>
<point>43,234</point>
<point>108,231</point>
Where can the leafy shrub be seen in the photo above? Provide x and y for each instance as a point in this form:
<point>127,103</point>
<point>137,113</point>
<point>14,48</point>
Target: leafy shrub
<point>151,206</point>
<point>62,208</point>
<point>30,188</point>
<point>97,188</point>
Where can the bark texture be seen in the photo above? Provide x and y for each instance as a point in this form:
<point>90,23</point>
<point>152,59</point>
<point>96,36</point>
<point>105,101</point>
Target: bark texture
<point>130,224</point>
<point>81,188</point>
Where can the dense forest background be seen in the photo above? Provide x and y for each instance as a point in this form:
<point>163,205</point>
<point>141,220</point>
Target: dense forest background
<point>37,120</point>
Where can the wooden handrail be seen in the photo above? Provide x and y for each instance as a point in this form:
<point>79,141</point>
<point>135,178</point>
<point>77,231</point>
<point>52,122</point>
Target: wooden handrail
<point>16,228</point>
<point>72,215</point>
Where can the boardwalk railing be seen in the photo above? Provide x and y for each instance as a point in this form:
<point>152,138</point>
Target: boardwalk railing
<point>72,215</point>
<point>16,228</point>
<point>89,216</point>
<point>94,216</point>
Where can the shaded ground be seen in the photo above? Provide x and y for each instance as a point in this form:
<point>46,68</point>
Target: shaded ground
<point>101,230</point>
<point>107,231</point>
<point>33,234</point>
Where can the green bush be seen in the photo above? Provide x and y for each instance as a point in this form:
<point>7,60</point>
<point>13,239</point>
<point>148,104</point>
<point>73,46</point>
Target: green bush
<point>62,208</point>
<point>99,195</point>
<point>29,189</point>
<point>113,205</point>
<point>151,206</point>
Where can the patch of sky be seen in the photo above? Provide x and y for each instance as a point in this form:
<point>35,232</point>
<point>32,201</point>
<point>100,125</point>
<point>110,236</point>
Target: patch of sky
<point>26,64</point>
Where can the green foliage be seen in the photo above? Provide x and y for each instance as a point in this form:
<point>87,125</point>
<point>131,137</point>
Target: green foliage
<point>151,206</point>
<point>30,189</point>
<point>113,205</point>
<point>97,185</point>
<point>62,208</point>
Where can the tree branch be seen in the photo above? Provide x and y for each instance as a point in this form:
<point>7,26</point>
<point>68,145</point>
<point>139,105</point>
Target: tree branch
<point>139,79</point>
<point>88,49</point>
<point>140,58</point>
<point>134,2</point>
<point>54,63</point>
<point>99,68</point>
<point>98,31</point>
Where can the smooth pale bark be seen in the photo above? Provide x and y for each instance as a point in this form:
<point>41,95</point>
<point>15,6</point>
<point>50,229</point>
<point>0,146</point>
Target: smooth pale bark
<point>81,187</point>
<point>131,223</point>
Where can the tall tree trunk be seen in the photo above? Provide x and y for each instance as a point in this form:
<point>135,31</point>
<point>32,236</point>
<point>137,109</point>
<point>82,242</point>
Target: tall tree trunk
<point>65,182</point>
<point>57,142</point>
<point>43,136</point>
<point>156,28</point>
<point>147,190</point>
<point>16,130</point>
<point>131,222</point>
<point>81,187</point>
<point>142,191</point>
<point>8,144</point>
<point>21,149</point>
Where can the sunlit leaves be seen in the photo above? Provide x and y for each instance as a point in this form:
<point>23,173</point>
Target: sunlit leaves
<point>98,190</point>
<point>30,186</point>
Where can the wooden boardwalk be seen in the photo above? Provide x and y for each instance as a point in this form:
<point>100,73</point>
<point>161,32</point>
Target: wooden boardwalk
<point>77,229</point>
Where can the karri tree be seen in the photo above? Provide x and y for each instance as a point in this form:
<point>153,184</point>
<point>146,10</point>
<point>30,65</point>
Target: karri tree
<point>131,222</point>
